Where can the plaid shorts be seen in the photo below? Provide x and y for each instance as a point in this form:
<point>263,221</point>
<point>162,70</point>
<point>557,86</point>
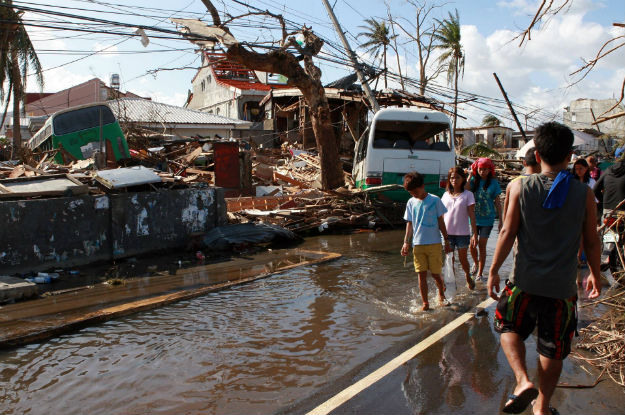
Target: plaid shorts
<point>556,319</point>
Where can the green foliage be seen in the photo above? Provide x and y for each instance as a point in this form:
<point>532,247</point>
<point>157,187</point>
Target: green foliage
<point>378,39</point>
<point>17,55</point>
<point>491,121</point>
<point>480,150</point>
<point>448,38</point>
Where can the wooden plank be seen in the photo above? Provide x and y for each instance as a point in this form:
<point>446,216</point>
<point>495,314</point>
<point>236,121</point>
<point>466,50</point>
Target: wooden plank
<point>35,170</point>
<point>45,156</point>
<point>199,172</point>
<point>260,203</point>
<point>287,179</point>
<point>188,159</point>
<point>17,172</point>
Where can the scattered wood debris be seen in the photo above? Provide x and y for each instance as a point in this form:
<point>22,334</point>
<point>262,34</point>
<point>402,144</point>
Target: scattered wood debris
<point>605,337</point>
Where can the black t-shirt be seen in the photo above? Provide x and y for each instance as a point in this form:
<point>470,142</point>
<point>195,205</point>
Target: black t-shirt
<point>612,185</point>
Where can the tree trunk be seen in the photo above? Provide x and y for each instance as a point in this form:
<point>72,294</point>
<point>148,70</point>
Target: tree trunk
<point>308,81</point>
<point>455,97</point>
<point>385,69</point>
<point>17,95</point>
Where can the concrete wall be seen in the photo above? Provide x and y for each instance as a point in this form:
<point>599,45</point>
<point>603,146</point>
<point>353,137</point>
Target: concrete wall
<point>62,232</point>
<point>579,116</point>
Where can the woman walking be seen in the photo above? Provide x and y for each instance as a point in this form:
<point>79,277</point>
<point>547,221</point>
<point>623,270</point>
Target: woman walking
<point>581,170</point>
<point>460,205</point>
<point>486,191</point>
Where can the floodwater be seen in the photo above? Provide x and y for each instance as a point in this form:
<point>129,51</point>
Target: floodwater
<point>253,348</point>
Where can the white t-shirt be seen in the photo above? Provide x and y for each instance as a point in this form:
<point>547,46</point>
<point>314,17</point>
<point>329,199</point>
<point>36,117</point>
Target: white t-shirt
<point>457,216</point>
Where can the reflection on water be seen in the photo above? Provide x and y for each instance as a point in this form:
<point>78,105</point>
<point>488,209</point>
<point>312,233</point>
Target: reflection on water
<point>250,349</point>
<point>464,378</point>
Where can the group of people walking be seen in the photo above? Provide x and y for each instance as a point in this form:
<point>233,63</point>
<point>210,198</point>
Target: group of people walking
<point>465,216</point>
<point>548,215</point>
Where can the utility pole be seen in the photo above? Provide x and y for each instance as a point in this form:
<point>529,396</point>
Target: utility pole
<point>352,56</point>
<point>510,107</point>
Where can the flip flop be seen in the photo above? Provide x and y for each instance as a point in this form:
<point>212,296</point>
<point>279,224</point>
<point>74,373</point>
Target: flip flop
<point>520,401</point>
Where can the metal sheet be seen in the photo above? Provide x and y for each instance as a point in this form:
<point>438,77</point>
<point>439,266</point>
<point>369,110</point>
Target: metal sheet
<point>127,176</point>
<point>52,185</point>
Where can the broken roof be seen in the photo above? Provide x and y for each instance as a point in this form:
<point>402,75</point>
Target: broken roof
<point>140,110</point>
<point>229,73</point>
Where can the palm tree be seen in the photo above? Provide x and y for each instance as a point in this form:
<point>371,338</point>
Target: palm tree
<point>378,39</point>
<point>17,55</point>
<point>447,37</point>
<point>491,121</point>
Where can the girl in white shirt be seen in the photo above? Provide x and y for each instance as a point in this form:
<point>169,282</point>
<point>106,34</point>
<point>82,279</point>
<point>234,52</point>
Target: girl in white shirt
<point>460,205</point>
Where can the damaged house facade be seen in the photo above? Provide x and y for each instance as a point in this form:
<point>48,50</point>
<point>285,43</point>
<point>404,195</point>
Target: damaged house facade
<point>231,90</point>
<point>279,112</point>
<point>495,136</point>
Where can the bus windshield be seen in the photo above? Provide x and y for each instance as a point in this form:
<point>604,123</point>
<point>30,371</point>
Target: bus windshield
<point>412,135</point>
<point>82,119</point>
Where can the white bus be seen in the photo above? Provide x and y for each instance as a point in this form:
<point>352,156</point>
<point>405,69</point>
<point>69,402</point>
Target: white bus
<point>401,140</point>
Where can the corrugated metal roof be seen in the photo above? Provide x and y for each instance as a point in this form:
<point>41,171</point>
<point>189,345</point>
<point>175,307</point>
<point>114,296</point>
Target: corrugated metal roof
<point>141,110</point>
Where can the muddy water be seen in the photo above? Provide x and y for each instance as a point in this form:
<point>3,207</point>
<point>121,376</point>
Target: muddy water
<point>254,348</point>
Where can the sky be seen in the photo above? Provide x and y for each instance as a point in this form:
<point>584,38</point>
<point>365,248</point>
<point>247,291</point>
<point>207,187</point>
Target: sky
<point>536,76</point>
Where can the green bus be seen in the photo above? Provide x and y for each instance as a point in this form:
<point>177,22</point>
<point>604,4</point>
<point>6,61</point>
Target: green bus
<point>79,132</point>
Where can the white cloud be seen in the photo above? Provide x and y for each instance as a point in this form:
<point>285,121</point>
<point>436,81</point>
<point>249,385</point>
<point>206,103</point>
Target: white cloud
<point>538,74</point>
<point>520,6</point>
<point>58,79</point>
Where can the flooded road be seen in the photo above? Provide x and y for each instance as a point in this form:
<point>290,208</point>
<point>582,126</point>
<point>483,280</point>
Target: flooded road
<point>254,348</point>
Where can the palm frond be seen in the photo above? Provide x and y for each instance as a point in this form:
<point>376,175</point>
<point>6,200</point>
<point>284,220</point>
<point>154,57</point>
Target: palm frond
<point>481,150</point>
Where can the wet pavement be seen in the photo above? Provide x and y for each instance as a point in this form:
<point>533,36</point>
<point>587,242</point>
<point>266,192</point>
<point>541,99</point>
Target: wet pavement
<point>284,344</point>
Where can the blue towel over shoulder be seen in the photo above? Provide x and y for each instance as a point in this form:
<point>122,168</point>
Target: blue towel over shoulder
<point>560,188</point>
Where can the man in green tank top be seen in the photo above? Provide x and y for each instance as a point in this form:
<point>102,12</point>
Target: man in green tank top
<point>548,214</point>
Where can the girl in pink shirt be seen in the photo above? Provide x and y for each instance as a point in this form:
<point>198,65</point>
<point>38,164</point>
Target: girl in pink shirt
<point>460,205</point>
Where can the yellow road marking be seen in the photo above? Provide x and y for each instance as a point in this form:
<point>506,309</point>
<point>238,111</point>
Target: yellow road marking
<point>345,395</point>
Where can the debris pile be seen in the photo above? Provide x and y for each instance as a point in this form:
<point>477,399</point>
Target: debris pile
<point>288,183</point>
<point>605,338</point>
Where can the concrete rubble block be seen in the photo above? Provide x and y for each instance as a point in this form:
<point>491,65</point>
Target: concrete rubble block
<point>12,288</point>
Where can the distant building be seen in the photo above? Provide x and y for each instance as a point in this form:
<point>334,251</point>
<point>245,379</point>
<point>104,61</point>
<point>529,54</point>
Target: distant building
<point>496,137</point>
<point>581,114</point>
<point>88,92</point>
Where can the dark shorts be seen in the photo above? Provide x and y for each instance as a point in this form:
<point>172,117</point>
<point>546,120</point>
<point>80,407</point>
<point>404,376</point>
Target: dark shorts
<point>484,231</point>
<point>459,241</point>
<point>519,312</point>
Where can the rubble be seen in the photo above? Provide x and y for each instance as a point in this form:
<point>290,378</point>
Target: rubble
<point>283,188</point>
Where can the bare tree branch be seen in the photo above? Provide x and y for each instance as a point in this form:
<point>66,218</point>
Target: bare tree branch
<point>547,8</point>
<point>278,17</point>
<point>541,14</point>
<point>424,48</point>
<point>591,64</point>
<point>213,11</point>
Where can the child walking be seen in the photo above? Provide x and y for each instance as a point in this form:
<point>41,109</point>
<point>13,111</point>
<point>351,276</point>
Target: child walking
<point>460,205</point>
<point>424,226</point>
<point>486,191</point>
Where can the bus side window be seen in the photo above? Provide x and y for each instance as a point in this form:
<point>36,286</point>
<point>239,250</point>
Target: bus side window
<point>362,148</point>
